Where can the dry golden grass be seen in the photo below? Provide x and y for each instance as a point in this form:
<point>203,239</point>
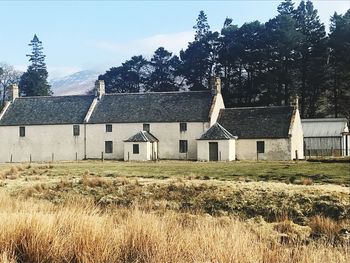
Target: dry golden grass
<point>78,231</point>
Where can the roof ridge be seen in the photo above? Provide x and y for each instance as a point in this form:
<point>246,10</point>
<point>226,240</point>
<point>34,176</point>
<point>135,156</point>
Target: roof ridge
<point>258,107</point>
<point>58,96</point>
<point>158,92</point>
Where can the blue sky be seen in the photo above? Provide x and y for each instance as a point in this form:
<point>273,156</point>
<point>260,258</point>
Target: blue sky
<point>79,35</point>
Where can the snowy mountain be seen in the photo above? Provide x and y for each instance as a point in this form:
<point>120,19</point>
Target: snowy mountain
<point>75,84</point>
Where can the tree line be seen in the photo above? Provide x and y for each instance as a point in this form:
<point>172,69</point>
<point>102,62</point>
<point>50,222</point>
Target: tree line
<point>33,82</point>
<point>260,64</point>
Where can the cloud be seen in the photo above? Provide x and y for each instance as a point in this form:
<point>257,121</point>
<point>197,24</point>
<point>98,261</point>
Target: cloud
<point>173,42</point>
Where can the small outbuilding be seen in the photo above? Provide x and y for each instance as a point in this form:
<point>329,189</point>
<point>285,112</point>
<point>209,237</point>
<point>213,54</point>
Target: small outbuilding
<point>326,137</point>
<point>216,144</point>
<point>143,146</point>
<point>265,133</point>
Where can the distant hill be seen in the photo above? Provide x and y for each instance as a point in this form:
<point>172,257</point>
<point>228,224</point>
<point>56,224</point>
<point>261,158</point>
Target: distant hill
<point>74,84</point>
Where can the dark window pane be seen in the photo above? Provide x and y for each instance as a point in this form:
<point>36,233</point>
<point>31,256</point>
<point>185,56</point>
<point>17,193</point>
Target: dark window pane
<point>183,126</point>
<point>76,130</point>
<point>108,147</point>
<point>260,146</point>
<point>183,146</point>
<point>135,149</point>
<point>146,127</point>
<point>108,127</point>
<point>22,131</point>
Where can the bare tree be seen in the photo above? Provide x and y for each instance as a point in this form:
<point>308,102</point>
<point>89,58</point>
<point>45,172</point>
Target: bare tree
<point>9,76</point>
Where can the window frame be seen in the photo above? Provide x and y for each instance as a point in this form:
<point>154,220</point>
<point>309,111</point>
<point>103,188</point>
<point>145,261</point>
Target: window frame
<point>136,148</point>
<point>183,126</point>
<point>146,127</point>
<point>183,146</point>
<point>76,130</point>
<point>109,128</point>
<point>108,147</point>
<point>260,146</point>
<point>22,131</point>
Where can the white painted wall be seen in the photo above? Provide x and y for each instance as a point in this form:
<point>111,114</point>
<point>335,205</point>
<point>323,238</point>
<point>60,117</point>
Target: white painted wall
<point>297,137</point>
<point>41,141</point>
<point>168,135</point>
<point>226,148</point>
<point>144,151</point>
<point>218,104</point>
<point>275,149</point>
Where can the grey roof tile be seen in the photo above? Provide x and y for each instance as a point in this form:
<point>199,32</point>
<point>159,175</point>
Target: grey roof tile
<point>217,132</point>
<point>257,122</point>
<point>142,136</point>
<point>153,107</point>
<point>47,110</point>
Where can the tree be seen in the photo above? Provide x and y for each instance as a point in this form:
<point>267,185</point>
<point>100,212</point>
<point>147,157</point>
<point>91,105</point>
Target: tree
<point>8,76</point>
<point>311,64</point>
<point>34,81</point>
<point>338,94</point>
<point>129,77</point>
<point>282,42</point>
<point>164,71</point>
<point>198,61</point>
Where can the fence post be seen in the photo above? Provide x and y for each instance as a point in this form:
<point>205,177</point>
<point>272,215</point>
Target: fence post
<point>11,158</point>
<point>30,158</point>
<point>52,157</point>
<point>102,157</point>
<point>296,155</point>
<point>76,156</point>
<point>128,156</point>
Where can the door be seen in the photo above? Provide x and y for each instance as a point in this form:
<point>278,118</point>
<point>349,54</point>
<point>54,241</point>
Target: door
<point>213,151</point>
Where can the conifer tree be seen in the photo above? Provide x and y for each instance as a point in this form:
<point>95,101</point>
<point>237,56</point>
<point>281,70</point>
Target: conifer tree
<point>34,81</point>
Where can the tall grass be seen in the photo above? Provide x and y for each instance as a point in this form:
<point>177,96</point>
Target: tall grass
<point>37,231</point>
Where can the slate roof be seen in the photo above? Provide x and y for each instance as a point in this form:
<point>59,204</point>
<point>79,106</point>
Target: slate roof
<point>142,136</point>
<point>47,110</point>
<point>257,122</point>
<point>217,132</point>
<point>153,107</point>
<point>326,127</point>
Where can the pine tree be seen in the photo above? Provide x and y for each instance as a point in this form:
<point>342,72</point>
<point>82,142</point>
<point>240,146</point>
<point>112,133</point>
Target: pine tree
<point>311,64</point>
<point>34,81</point>
<point>338,94</point>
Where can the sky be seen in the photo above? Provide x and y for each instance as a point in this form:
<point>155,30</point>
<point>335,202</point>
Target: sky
<point>96,35</point>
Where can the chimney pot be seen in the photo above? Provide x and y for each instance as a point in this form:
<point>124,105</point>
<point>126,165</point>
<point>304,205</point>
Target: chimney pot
<point>295,102</point>
<point>215,84</point>
<point>13,92</point>
<point>100,88</point>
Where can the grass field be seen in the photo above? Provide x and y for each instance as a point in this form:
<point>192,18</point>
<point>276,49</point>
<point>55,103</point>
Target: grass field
<point>172,211</point>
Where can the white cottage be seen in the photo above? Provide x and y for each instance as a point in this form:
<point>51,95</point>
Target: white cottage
<point>84,127</point>
<point>142,146</point>
<point>265,133</point>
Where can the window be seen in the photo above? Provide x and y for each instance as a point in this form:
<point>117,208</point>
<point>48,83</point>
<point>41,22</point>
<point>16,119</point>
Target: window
<point>183,126</point>
<point>183,146</point>
<point>76,130</point>
<point>146,127</point>
<point>108,147</point>
<point>108,127</point>
<point>260,146</point>
<point>22,131</point>
<point>135,149</point>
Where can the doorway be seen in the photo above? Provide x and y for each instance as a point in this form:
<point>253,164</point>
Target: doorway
<point>213,151</point>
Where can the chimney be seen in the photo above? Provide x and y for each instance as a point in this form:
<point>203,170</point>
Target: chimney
<point>215,85</point>
<point>295,102</point>
<point>13,92</point>
<point>100,88</point>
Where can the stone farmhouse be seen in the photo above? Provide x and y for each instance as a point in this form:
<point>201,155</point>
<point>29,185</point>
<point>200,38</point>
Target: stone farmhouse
<point>145,126</point>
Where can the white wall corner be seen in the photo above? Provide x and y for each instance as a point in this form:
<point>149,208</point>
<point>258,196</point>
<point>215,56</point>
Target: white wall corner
<point>6,106</point>
<point>91,110</point>
<point>216,106</point>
